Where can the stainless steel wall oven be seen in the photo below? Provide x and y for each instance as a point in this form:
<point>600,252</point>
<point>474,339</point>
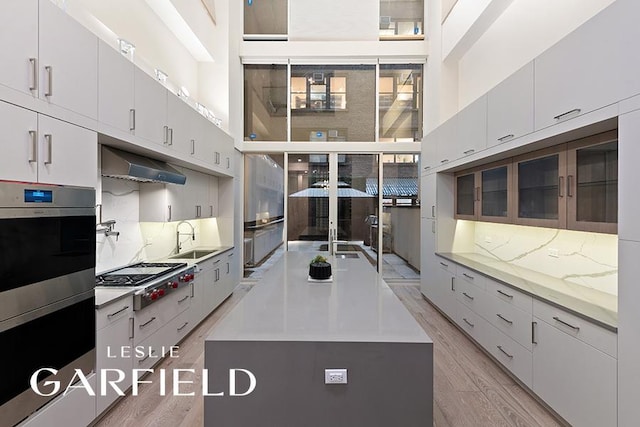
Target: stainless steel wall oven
<point>47,307</point>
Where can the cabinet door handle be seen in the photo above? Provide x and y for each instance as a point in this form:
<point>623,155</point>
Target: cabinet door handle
<point>453,288</point>
<point>166,135</point>
<point>117,312</point>
<point>444,160</point>
<point>170,136</point>
<point>48,138</point>
<point>230,255</point>
<point>228,268</point>
<point>228,163</point>
<point>506,137</point>
<point>211,210</point>
<point>433,227</point>
<point>193,146</point>
<point>468,276</point>
<point>505,294</point>
<point>570,186</point>
<point>510,356</point>
<point>132,119</point>
<point>433,211</point>
<point>468,296</point>
<point>469,151</point>
<point>131,328</point>
<point>217,158</point>
<point>34,74</point>
<point>192,286</point>
<point>183,326</point>
<point>468,323</point>
<point>533,333</point>
<point>216,261</point>
<point>49,70</point>
<point>443,264</point>
<point>151,353</point>
<point>557,319</point>
<point>142,325</point>
<point>477,198</point>
<point>34,146</point>
<point>575,110</point>
<point>197,211</point>
<point>169,218</point>
<point>426,167</point>
<point>561,186</point>
<point>181,300</point>
<point>505,319</point>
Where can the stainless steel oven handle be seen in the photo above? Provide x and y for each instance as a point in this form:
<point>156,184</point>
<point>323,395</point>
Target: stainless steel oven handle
<point>142,325</point>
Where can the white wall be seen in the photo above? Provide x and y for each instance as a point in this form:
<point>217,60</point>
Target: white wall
<point>523,31</point>
<point>334,20</point>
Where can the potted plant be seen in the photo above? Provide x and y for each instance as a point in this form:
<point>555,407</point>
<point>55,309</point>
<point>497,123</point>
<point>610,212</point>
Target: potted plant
<point>319,268</point>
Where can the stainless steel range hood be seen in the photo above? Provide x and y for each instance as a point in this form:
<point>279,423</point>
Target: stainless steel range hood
<point>124,165</point>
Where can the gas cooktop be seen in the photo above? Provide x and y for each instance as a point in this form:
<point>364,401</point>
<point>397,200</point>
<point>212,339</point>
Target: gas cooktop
<point>137,274</point>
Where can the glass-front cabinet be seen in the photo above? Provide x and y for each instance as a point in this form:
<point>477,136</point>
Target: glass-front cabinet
<point>572,185</point>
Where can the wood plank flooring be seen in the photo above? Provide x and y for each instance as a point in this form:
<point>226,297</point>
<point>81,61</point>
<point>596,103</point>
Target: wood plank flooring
<point>469,388</point>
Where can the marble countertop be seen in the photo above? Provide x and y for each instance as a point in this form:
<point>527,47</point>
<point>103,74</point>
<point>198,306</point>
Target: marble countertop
<point>357,306</point>
<point>106,296</point>
<point>591,304</point>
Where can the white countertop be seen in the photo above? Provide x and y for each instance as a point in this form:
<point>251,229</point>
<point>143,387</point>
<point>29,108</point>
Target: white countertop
<point>591,304</point>
<point>357,306</point>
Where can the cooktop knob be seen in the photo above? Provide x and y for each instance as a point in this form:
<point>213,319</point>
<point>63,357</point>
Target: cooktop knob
<point>161,292</point>
<point>154,295</point>
<point>174,285</point>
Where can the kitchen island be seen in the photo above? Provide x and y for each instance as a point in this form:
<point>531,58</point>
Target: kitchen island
<point>287,331</point>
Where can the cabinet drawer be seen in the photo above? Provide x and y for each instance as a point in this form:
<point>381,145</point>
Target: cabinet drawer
<point>471,276</point>
<point>471,296</point>
<point>512,355</point>
<point>509,319</point>
<point>113,312</point>
<point>510,296</point>
<point>578,327</point>
<point>472,323</point>
<point>446,265</point>
<point>181,326</point>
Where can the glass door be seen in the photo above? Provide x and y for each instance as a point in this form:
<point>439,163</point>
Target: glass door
<point>332,204</point>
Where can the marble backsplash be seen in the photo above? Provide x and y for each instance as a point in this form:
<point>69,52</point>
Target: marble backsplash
<point>145,241</point>
<point>587,259</point>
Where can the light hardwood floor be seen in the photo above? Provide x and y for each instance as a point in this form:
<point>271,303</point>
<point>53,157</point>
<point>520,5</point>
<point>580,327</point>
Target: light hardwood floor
<point>469,388</point>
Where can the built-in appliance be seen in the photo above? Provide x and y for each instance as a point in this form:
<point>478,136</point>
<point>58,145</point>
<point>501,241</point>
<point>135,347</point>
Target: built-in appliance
<point>122,164</point>
<point>47,305</point>
<point>154,280</point>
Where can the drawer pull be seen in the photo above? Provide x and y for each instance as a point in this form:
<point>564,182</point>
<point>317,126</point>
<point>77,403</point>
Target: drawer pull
<point>468,276</point>
<point>444,161</point>
<point>506,137</point>
<point>151,353</point>
<point>468,323</point>
<point>505,294</point>
<point>557,319</point>
<point>510,356</point>
<point>443,264</point>
<point>505,319</point>
<point>468,151</point>
<point>216,261</point>
<point>533,332</point>
<point>186,297</point>
<point>468,296</point>
<point>118,312</point>
<point>427,167</point>
<point>575,110</point>
<point>146,323</point>
<point>183,326</point>
<point>453,288</point>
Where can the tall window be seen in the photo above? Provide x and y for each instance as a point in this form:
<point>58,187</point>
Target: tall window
<point>265,19</point>
<point>400,95</point>
<point>265,102</point>
<point>401,19</point>
<point>333,103</point>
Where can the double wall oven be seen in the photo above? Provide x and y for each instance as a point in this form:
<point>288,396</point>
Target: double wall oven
<point>47,307</point>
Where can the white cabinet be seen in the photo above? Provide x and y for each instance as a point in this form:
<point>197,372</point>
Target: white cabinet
<point>428,196</point>
<point>114,332</point>
<point>68,56</point>
<point>628,176</point>
<point>115,89</point>
<point>68,154</point>
<point>444,290</point>
<point>75,409</point>
<point>428,153</point>
<point>19,143</point>
<point>511,354</point>
<point>447,148</point>
<point>214,204</point>
<point>150,109</point>
<point>38,148</point>
<point>592,67</point>
<point>575,379</point>
<point>19,41</point>
<point>471,128</point>
<point>510,107</point>
<point>184,133</point>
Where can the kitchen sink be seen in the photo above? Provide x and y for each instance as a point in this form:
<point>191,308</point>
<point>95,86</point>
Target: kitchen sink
<point>196,254</point>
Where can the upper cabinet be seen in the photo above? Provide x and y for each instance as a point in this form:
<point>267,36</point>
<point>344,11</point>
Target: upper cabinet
<point>484,194</point>
<point>510,107</point>
<point>115,89</point>
<point>19,41</point>
<point>150,103</point>
<point>471,128</point>
<point>592,67</point>
<point>68,62</point>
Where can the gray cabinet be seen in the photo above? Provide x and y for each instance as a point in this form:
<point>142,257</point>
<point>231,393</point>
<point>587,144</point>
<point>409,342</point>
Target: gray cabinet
<point>485,194</point>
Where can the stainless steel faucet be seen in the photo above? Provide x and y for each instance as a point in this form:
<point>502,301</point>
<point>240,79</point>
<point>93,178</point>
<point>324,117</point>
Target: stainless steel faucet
<point>178,234</point>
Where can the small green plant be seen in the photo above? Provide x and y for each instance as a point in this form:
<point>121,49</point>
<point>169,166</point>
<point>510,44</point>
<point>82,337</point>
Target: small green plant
<point>318,258</point>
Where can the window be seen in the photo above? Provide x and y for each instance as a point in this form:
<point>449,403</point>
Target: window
<point>400,179</point>
<point>265,19</point>
<point>401,19</point>
<point>265,102</point>
<point>400,99</point>
<point>333,103</point>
